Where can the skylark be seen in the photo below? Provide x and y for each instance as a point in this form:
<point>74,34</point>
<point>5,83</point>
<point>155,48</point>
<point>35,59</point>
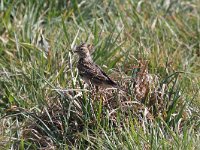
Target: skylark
<point>89,71</point>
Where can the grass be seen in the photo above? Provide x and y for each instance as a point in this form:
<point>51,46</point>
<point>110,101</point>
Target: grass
<point>151,48</point>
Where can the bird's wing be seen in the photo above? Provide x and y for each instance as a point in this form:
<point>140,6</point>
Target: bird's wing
<point>94,73</point>
<point>105,75</point>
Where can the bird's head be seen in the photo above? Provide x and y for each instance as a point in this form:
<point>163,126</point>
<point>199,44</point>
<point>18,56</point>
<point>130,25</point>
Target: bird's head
<point>83,50</point>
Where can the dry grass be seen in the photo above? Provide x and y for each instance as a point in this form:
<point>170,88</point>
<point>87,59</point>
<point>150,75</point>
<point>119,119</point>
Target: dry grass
<point>151,48</point>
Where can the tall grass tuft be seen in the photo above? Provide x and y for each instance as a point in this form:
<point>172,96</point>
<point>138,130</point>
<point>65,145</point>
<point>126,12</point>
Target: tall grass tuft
<point>151,48</point>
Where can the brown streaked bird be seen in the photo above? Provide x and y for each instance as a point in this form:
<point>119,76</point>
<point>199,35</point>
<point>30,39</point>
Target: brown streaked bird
<point>89,71</point>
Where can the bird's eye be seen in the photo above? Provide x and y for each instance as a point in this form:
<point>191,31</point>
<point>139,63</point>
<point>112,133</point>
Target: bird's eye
<point>82,49</point>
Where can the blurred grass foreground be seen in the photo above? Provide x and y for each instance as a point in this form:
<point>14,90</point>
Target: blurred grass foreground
<point>150,47</point>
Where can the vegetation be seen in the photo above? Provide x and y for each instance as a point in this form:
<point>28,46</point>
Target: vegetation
<point>152,48</point>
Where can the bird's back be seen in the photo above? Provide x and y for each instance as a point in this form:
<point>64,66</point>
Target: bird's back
<point>90,72</point>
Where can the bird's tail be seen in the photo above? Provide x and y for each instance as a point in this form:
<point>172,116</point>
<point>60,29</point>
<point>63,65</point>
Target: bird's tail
<point>120,88</point>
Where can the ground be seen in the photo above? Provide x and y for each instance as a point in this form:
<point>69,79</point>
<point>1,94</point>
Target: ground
<point>150,48</point>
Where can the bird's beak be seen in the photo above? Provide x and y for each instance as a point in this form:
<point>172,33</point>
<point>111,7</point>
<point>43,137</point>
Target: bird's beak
<point>75,49</point>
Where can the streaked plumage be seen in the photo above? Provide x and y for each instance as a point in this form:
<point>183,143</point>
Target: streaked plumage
<point>89,71</point>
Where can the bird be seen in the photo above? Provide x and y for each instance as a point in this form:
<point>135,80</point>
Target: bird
<point>90,72</point>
